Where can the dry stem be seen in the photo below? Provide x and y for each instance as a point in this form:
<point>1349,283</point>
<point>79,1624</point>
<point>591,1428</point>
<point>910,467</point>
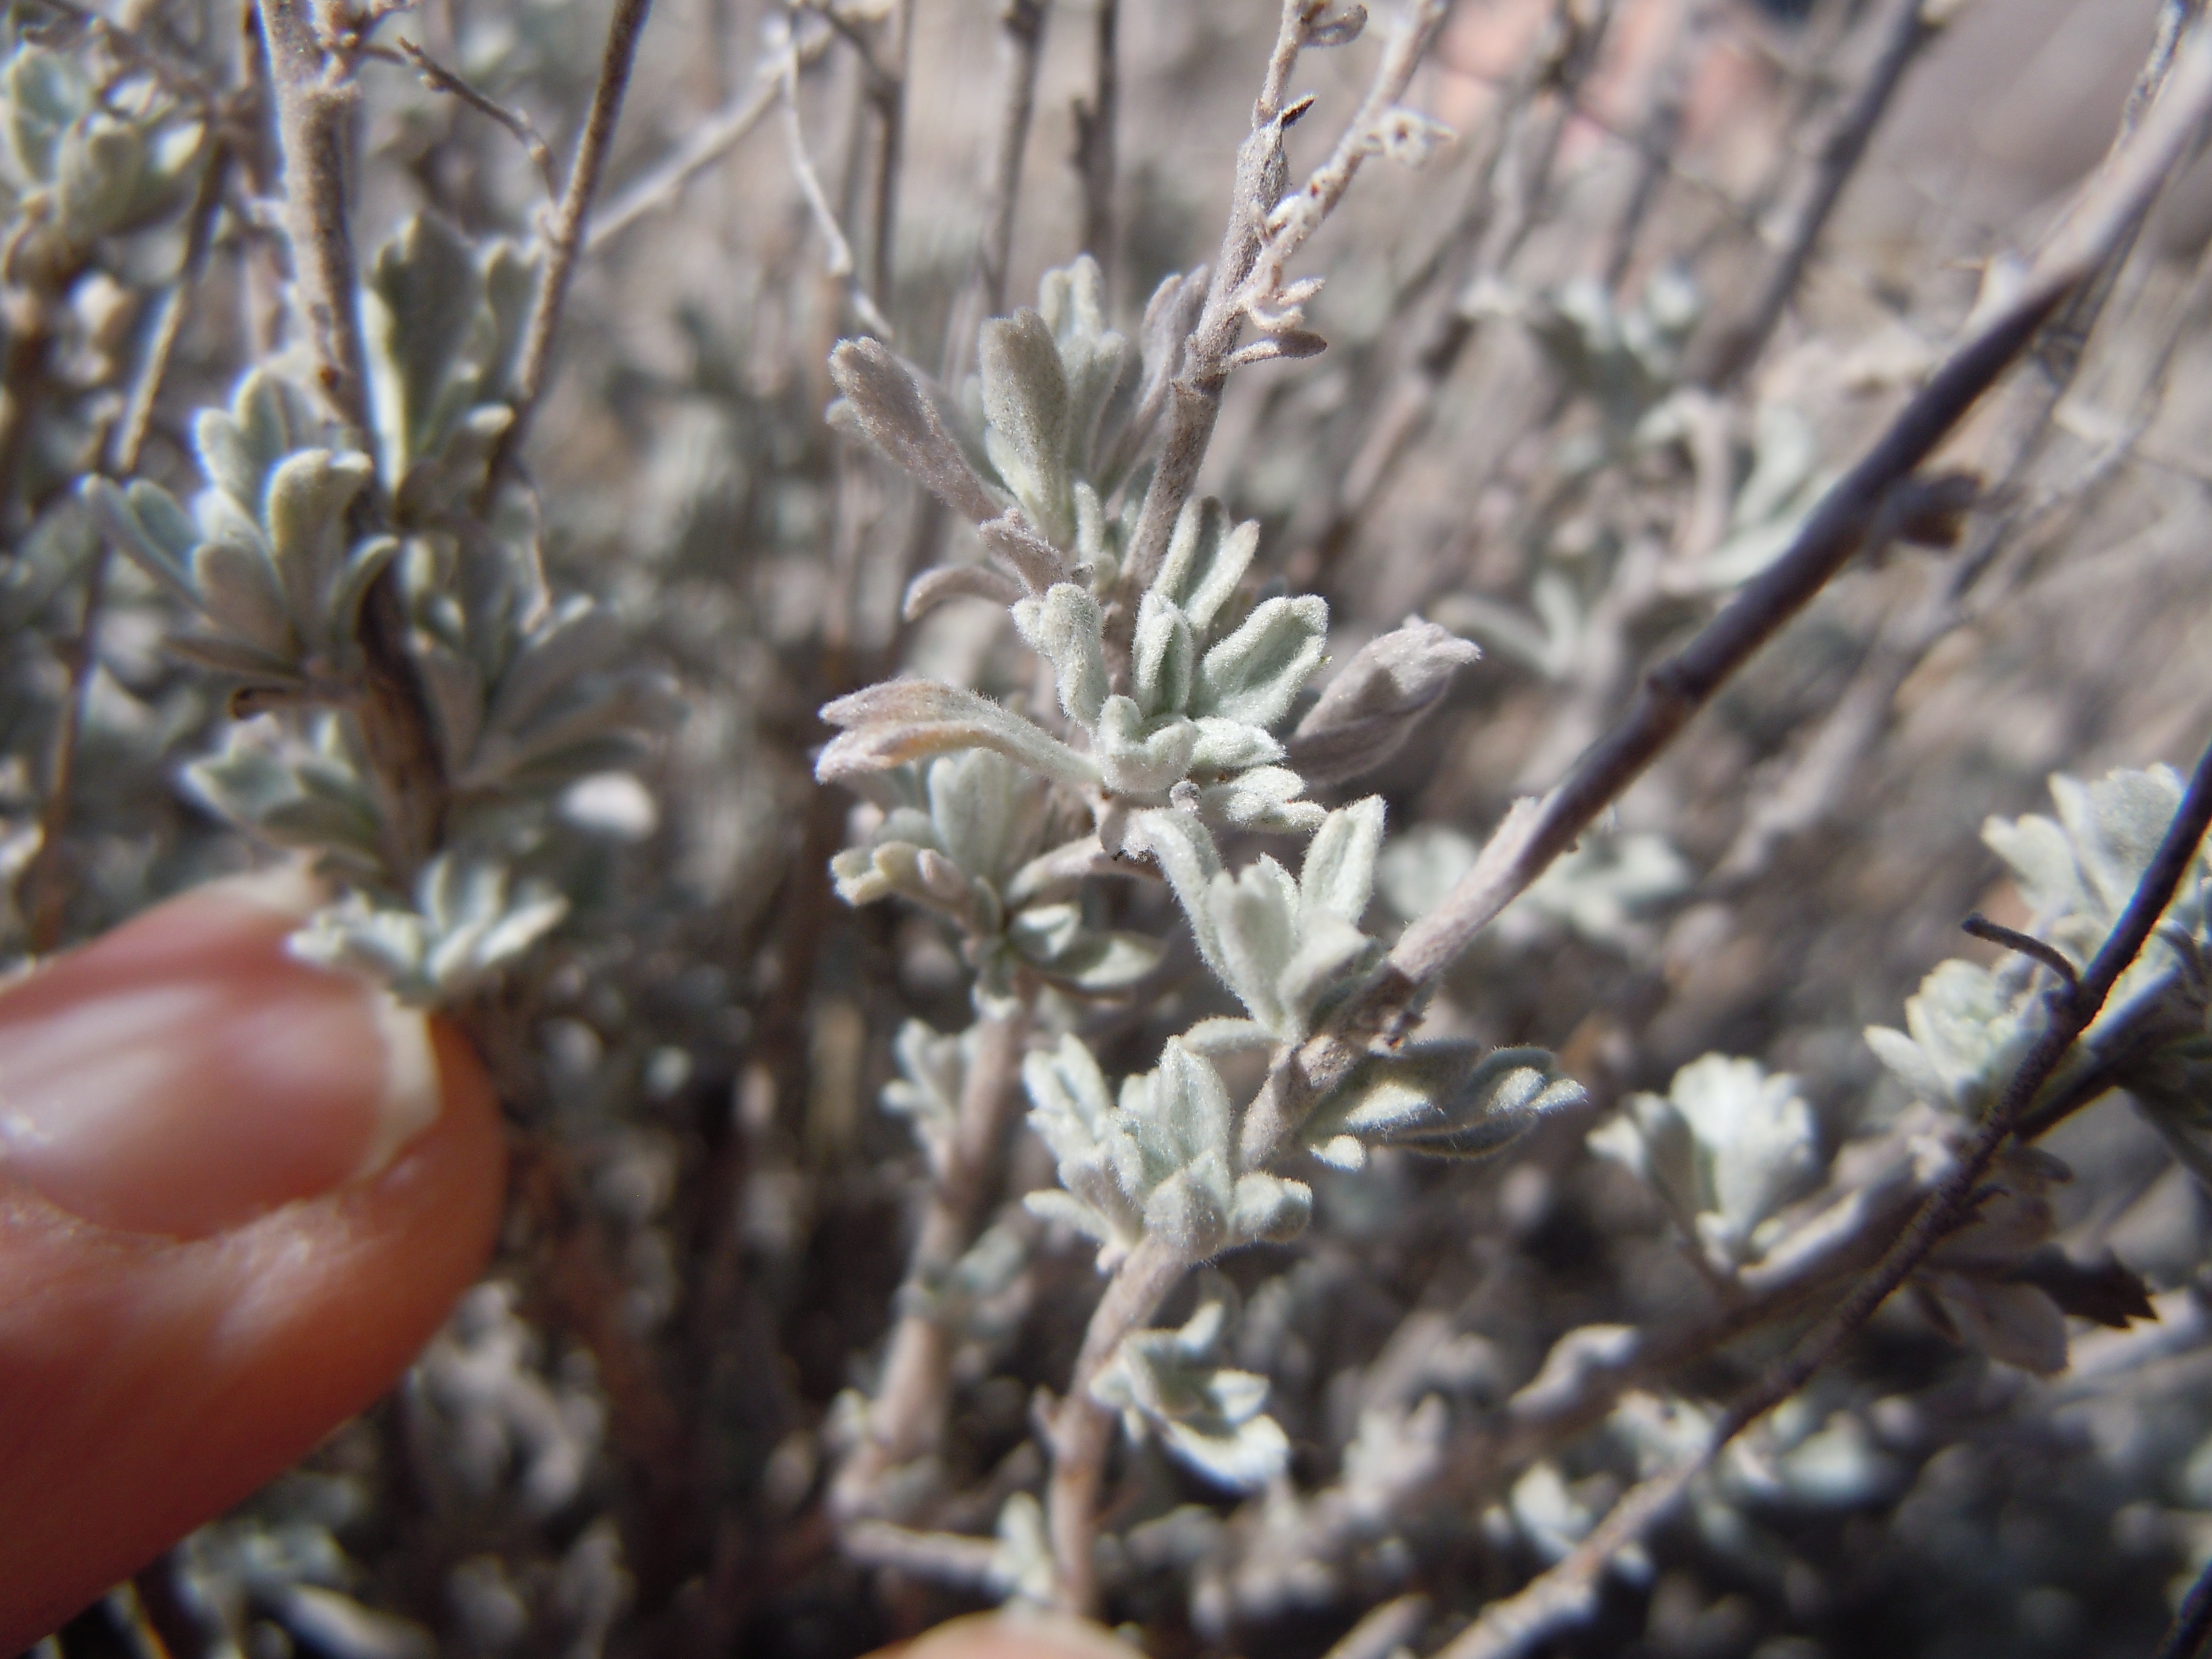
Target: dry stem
<point>906,1419</point>
<point>564,237</point>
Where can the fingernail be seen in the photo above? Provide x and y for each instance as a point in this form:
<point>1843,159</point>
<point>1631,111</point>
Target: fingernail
<point>184,1073</point>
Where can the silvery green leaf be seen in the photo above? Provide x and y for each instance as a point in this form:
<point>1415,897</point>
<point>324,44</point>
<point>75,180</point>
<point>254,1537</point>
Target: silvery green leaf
<point>1210,1037</point>
<point>367,562</point>
<point>96,175</point>
<point>933,1072</point>
<point>1263,799</point>
<point>1268,1209</point>
<point>2041,860</point>
<point>981,807</point>
<point>2016,1323</point>
<point>1066,628</point>
<point>1205,559</point>
<point>1168,1384</point>
<point>903,720</point>
<point>1103,963</point>
<point>44,92</point>
<point>901,420</point>
<point>238,592</point>
<point>309,495</point>
<point>1190,1208</point>
<point>423,303</point>
<point>1230,747</point>
<point>1165,657</point>
<point>1141,758</point>
<point>1255,914</point>
<point>958,582</point>
<point>1101,365</point>
<point>2115,825</point>
<point>1726,1147</point>
<point>1042,932</point>
<point>1075,1116</point>
<point>1035,561</point>
<point>1025,401</point>
<point>1449,1100</point>
<point>237,659</point>
<point>1600,889</point>
<point>1372,706</point>
<point>1338,877</point>
<point>1962,1037</point>
<point>1186,854</point>
<point>576,638</point>
<point>1253,675</point>
<point>1331,954</point>
<point>855,875</point>
<point>148,527</point>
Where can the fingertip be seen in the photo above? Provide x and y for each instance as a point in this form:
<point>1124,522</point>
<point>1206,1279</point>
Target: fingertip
<point>150,1382</point>
<point>1015,1634</point>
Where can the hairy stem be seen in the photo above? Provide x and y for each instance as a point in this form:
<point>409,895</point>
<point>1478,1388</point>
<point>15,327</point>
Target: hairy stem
<point>906,1420</point>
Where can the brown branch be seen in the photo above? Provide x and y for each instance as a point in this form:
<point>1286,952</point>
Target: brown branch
<point>906,1419</point>
<point>1095,150</point>
<point>1021,39</point>
<point>1267,226</point>
<point>1562,1593</point>
<point>564,236</point>
<point>44,888</point>
<point>1906,31</point>
<point>436,77</point>
<point>312,106</point>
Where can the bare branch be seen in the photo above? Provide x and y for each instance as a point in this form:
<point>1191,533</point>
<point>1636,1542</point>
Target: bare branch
<point>1561,1596</point>
<point>1021,40</point>
<point>564,238</point>
<point>44,886</point>
<point>1094,138</point>
<point>436,77</point>
<point>840,260</point>
<point>1906,31</point>
<point>906,1419</point>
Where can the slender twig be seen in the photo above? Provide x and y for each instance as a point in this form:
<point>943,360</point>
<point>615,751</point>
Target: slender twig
<point>1564,1592</point>
<point>436,77</point>
<point>1980,927</point>
<point>2192,1629</point>
<point>840,256</point>
<point>1268,226</point>
<point>712,139</point>
<point>1021,40</point>
<point>1095,136</point>
<point>887,92</point>
<point>1384,1631</point>
<point>906,1419</point>
<point>564,236</point>
<point>44,887</point>
<point>943,1557</point>
<point>1906,30</point>
<point>1660,135</point>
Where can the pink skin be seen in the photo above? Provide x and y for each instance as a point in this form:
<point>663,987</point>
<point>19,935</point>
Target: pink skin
<point>197,1279</point>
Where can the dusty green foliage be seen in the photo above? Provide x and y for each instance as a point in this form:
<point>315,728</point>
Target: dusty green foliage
<point>1082,876</point>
